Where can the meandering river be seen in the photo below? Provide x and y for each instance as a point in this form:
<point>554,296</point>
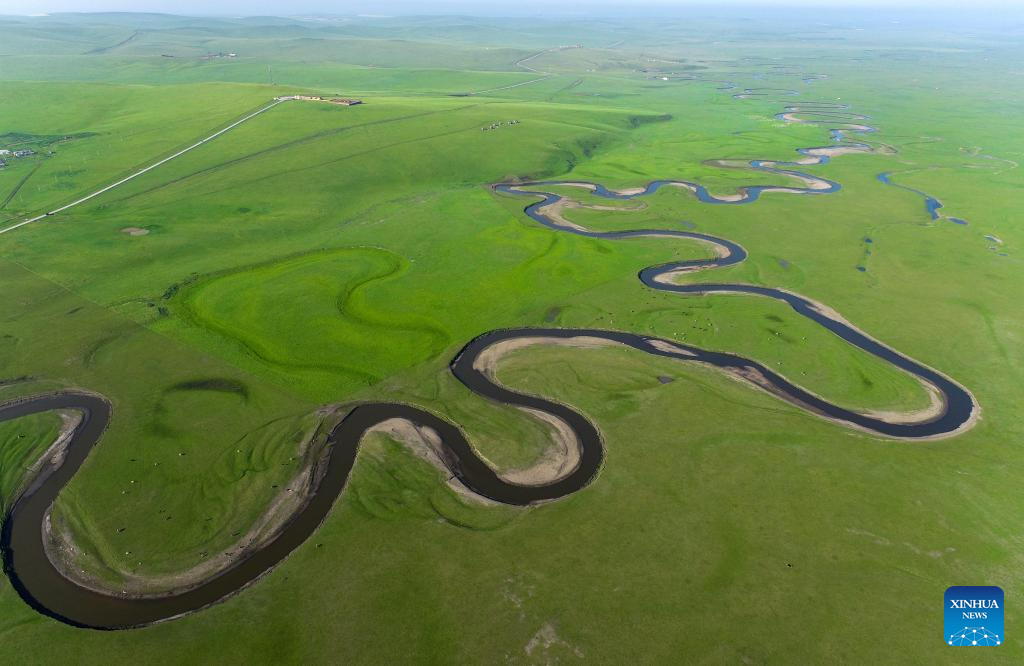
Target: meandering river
<point>44,587</point>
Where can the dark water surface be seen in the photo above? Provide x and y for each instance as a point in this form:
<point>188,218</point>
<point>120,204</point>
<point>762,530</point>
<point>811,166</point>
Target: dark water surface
<point>43,586</point>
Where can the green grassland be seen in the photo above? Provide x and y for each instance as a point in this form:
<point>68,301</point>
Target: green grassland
<point>319,255</point>
<point>23,442</point>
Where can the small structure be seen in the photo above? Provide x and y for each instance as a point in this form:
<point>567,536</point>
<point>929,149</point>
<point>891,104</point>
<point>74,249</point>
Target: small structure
<point>343,101</point>
<point>25,152</point>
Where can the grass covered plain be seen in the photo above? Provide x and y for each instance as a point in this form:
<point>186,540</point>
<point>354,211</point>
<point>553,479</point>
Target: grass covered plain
<point>319,255</point>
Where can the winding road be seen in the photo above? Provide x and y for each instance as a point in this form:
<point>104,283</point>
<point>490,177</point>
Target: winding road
<point>521,63</point>
<point>44,587</point>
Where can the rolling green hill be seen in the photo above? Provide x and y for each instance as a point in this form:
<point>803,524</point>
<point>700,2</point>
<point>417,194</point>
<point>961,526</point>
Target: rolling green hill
<point>319,255</point>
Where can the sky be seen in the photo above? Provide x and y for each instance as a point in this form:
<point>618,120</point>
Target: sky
<point>481,7</point>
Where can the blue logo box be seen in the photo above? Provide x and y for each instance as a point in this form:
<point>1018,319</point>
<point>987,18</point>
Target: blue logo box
<point>974,616</point>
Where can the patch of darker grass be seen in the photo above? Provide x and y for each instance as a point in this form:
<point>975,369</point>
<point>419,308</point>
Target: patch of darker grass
<point>217,384</point>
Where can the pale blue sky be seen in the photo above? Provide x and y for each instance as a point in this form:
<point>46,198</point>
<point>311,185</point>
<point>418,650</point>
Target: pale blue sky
<point>487,7</point>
